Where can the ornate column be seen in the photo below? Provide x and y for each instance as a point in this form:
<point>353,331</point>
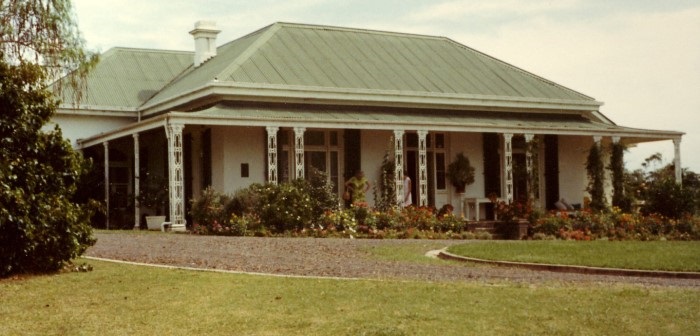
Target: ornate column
<point>106,147</point>
<point>398,165</point>
<point>137,186</point>
<point>422,169</point>
<point>299,152</point>
<point>531,185</point>
<point>677,160</point>
<point>508,167</point>
<point>272,154</point>
<point>173,132</point>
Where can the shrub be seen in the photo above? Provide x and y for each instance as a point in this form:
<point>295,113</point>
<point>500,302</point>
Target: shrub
<point>483,235</point>
<point>421,218</point>
<point>550,225</point>
<point>512,212</point>
<point>390,219</point>
<point>285,207</point>
<point>450,223</point>
<point>542,236</point>
<point>320,191</point>
<point>209,209</point>
<point>337,222</point>
<point>668,198</point>
<point>244,200</point>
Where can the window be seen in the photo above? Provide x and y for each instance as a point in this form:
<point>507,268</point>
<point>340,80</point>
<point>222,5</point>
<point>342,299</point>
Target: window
<point>314,138</point>
<point>440,171</point>
<point>245,170</point>
<point>321,149</point>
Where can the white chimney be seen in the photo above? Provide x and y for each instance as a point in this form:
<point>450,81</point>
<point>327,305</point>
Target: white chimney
<point>204,34</point>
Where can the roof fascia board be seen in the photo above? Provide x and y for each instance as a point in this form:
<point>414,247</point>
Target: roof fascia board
<point>98,111</point>
<point>283,93</point>
<point>189,119</point>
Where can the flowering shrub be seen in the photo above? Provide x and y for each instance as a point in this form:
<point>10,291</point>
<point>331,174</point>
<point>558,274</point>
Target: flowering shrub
<point>552,224</point>
<point>208,210</point>
<point>421,218</point>
<point>450,223</point>
<point>336,221</point>
<point>390,219</point>
<point>234,226</point>
<point>511,212</point>
<point>617,225</point>
<point>288,209</point>
<point>285,207</point>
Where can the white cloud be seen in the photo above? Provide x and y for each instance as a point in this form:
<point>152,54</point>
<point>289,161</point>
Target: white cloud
<point>644,67</point>
<point>465,9</point>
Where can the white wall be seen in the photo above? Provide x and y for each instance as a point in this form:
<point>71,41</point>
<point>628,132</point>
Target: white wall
<point>573,151</point>
<point>232,146</point>
<point>81,127</point>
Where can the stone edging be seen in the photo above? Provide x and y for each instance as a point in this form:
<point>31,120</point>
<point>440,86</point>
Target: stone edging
<point>574,269</point>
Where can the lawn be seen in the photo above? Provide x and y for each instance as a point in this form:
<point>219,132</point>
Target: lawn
<point>119,299</point>
<point>653,255</point>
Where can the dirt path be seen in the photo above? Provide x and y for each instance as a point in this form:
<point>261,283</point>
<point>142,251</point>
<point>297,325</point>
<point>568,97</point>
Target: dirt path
<point>348,258</point>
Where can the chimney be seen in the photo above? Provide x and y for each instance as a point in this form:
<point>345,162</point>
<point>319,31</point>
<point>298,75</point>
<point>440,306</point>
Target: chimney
<point>204,34</point>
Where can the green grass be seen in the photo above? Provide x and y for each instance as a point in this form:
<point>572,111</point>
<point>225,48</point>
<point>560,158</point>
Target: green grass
<point>654,255</point>
<point>118,299</point>
<point>414,253</point>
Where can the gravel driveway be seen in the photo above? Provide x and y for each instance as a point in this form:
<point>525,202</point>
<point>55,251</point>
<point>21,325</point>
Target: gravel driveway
<point>327,257</point>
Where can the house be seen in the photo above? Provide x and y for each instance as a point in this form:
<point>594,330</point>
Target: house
<point>272,104</point>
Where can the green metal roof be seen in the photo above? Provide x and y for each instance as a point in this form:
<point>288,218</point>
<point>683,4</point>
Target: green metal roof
<point>126,78</point>
<point>297,55</point>
<point>375,66</point>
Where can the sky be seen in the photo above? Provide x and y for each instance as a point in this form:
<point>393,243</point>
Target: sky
<point>641,58</point>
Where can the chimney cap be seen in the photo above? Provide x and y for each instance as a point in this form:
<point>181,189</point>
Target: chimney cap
<point>205,27</point>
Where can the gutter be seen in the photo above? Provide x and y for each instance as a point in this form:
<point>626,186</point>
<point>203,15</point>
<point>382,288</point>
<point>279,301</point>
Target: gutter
<point>363,97</point>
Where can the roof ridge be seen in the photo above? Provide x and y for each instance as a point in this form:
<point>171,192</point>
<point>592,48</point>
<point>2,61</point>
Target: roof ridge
<point>161,51</point>
<point>266,34</point>
<point>358,30</point>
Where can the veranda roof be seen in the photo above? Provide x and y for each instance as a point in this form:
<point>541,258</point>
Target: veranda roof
<point>226,114</point>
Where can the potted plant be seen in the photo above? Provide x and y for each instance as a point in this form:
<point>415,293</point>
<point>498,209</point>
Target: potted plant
<point>154,195</point>
<point>460,173</point>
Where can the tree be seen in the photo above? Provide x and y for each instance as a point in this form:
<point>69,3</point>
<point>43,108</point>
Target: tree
<point>44,32</point>
<point>40,226</point>
<point>660,191</point>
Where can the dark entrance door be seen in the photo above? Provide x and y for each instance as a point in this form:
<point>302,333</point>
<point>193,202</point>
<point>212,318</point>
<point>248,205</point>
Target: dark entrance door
<point>551,170</point>
<point>492,169</point>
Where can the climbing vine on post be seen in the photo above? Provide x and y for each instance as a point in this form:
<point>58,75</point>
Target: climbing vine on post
<point>617,168</point>
<point>596,178</point>
<point>385,190</point>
